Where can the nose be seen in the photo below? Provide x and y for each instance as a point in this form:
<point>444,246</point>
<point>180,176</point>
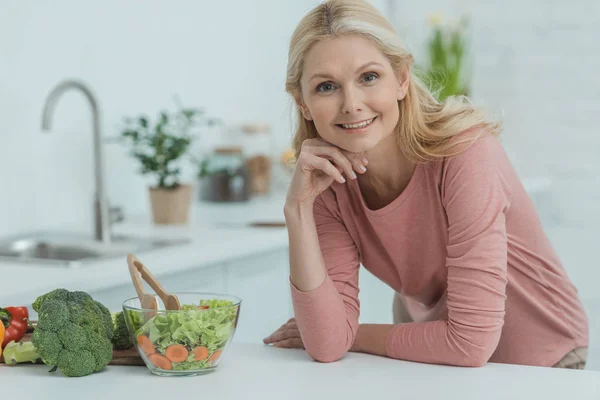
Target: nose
<point>351,101</point>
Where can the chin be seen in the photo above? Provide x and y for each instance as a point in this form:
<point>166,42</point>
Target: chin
<point>358,145</point>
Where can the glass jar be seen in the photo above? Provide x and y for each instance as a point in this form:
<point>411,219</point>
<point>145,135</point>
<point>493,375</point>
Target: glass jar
<point>256,140</point>
<point>224,176</point>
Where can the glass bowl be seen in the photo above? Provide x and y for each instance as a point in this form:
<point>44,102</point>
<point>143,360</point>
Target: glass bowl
<point>190,341</point>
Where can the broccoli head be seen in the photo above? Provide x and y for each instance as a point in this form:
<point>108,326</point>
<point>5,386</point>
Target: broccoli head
<point>121,339</point>
<point>57,294</point>
<point>74,332</point>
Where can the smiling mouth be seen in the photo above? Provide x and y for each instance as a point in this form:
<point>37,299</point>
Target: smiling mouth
<point>358,125</point>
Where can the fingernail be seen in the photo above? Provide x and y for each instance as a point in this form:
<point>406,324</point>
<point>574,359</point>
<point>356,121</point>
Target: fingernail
<point>342,180</point>
<point>365,161</point>
<point>354,175</point>
<point>363,168</point>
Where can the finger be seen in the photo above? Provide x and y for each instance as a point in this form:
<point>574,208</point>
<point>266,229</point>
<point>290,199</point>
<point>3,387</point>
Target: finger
<point>291,325</point>
<point>292,343</point>
<point>327,167</point>
<point>338,158</point>
<point>275,336</point>
<point>293,332</point>
<point>358,160</point>
<point>283,335</point>
<point>281,328</point>
<point>312,162</point>
<point>312,143</point>
<point>357,163</point>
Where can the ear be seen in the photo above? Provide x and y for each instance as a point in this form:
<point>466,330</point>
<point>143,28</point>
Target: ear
<point>303,109</point>
<point>403,82</point>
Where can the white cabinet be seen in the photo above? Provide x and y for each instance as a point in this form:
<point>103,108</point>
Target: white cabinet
<point>262,282</point>
<point>375,299</point>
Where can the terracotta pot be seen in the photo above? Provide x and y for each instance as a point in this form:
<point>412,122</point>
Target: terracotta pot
<point>171,206</point>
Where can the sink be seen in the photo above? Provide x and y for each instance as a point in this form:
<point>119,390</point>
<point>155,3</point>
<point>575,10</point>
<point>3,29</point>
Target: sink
<point>73,250</point>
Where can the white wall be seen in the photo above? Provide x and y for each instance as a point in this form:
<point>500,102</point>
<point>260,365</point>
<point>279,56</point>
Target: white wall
<point>534,64</point>
<point>228,57</point>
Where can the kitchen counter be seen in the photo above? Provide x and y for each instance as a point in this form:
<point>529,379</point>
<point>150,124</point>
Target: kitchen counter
<point>218,232</point>
<point>256,371</point>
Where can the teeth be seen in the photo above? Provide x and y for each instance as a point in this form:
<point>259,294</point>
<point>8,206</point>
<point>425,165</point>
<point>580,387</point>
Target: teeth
<point>359,125</point>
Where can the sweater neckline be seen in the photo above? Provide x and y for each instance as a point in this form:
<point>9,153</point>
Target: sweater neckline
<point>414,181</point>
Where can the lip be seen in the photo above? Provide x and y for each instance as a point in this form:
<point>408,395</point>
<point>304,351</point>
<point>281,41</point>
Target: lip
<point>356,122</point>
<point>357,130</point>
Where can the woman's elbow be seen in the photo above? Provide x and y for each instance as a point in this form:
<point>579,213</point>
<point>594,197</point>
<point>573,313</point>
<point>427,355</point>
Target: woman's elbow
<point>326,354</point>
<point>479,356</point>
<point>476,360</point>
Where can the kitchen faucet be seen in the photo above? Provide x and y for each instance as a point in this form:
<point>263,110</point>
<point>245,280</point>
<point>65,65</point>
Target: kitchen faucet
<point>102,216</point>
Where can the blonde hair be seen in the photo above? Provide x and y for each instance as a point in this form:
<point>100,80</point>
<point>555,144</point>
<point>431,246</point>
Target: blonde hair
<point>427,129</point>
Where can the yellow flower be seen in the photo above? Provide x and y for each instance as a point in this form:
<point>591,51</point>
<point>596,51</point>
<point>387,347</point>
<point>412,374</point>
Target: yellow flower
<point>435,19</point>
<point>288,158</point>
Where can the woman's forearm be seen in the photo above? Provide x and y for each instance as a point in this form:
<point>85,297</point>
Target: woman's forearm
<point>307,268</point>
<point>371,339</point>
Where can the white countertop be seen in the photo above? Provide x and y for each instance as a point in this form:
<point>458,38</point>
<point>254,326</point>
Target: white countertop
<point>217,233</point>
<point>257,371</point>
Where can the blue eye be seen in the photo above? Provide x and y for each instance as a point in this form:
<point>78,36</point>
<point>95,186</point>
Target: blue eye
<point>370,77</point>
<point>325,87</point>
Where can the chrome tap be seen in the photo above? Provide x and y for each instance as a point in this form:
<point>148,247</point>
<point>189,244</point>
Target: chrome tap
<point>102,217</point>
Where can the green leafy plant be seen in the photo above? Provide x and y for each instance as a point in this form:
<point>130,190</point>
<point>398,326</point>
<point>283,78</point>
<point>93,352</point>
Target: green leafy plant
<point>159,145</point>
<point>447,47</point>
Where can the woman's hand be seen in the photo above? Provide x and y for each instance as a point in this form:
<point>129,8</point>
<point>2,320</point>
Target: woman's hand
<point>319,164</point>
<point>287,336</point>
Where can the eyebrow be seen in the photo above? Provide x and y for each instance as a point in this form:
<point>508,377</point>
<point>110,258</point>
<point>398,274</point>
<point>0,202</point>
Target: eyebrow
<point>327,76</point>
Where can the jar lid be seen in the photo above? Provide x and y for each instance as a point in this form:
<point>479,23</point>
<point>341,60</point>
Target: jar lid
<point>257,127</point>
<point>228,150</point>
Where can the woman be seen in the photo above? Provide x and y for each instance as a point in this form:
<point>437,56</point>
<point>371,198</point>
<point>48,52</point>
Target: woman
<point>423,195</point>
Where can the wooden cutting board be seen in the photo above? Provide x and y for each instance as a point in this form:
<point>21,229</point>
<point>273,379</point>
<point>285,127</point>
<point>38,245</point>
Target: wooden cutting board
<point>120,357</point>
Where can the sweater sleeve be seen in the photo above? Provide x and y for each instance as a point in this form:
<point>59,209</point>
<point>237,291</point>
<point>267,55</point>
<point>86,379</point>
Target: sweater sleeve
<point>327,316</point>
<point>476,198</point>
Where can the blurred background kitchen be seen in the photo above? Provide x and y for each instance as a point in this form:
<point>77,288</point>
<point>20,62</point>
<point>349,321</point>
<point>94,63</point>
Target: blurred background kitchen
<point>192,93</point>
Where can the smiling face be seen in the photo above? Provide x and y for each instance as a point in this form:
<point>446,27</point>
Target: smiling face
<point>351,93</point>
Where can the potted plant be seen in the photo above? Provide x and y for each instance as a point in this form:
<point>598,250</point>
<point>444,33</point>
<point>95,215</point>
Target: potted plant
<point>447,71</point>
<point>159,147</point>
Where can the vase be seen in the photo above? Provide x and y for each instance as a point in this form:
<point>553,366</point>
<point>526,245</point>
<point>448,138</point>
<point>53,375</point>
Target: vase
<point>171,206</point>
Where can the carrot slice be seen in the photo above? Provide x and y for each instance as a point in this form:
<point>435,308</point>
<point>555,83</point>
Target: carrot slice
<point>200,353</point>
<point>215,356</point>
<point>176,353</point>
<point>160,361</point>
<point>145,344</point>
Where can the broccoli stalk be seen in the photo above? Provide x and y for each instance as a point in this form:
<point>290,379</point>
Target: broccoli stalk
<point>121,339</point>
<point>20,352</point>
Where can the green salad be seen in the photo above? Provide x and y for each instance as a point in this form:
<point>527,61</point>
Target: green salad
<point>192,338</point>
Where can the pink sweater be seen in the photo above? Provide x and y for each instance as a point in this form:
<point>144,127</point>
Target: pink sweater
<point>464,245</point>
